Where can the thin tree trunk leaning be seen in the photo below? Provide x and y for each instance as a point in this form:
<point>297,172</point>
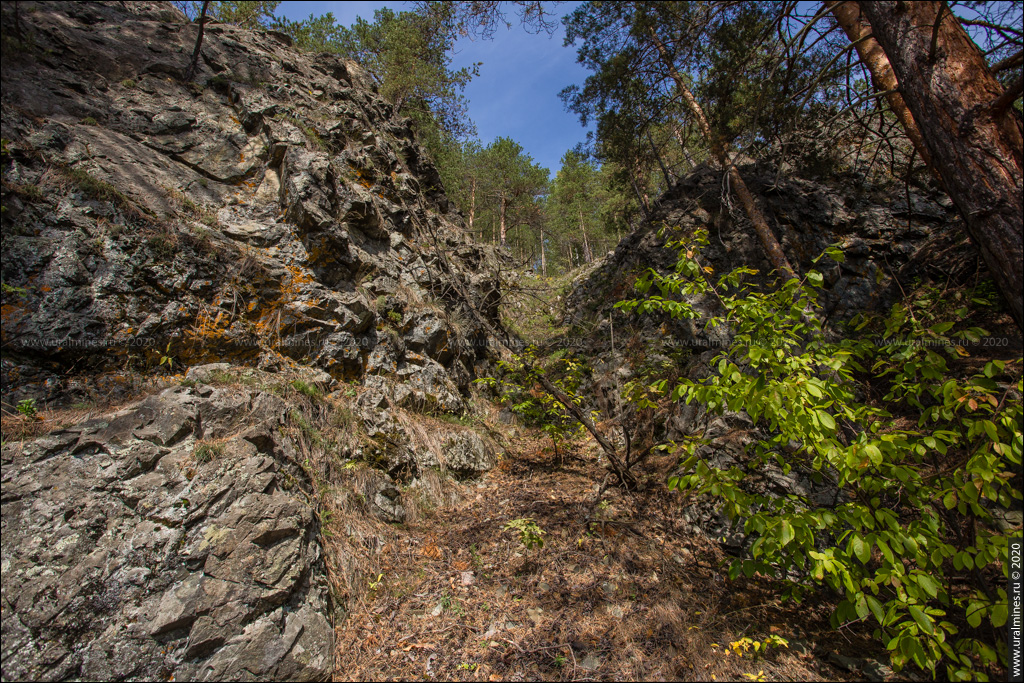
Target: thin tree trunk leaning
<point>976,146</point>
<point>771,246</point>
<point>620,469</point>
<point>639,198</point>
<point>472,203</point>
<point>193,66</point>
<point>859,32</point>
<point>664,170</point>
<point>678,133</point>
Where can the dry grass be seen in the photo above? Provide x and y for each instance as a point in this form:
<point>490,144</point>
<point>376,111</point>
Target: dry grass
<point>18,427</point>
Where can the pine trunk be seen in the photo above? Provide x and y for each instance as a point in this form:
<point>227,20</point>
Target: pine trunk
<point>975,145</point>
<point>771,246</point>
<point>543,259</point>
<point>859,32</point>
<point>588,255</point>
<point>501,217</point>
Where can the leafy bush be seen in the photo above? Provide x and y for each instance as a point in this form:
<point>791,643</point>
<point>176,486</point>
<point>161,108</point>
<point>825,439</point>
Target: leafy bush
<point>517,388</point>
<point>916,540</point>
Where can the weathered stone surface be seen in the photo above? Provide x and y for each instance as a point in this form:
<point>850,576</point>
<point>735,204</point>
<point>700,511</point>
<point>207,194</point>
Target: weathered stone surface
<point>872,227</point>
<point>467,454</point>
<point>253,217</point>
<point>126,555</point>
<point>879,235</point>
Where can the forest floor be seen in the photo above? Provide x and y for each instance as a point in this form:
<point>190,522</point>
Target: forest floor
<point>622,589</point>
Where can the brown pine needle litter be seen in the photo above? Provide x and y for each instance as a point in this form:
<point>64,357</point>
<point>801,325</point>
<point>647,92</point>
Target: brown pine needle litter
<point>622,589</point>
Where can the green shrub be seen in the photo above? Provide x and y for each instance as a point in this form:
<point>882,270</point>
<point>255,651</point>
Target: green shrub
<point>913,543</point>
<point>518,389</point>
<point>530,535</point>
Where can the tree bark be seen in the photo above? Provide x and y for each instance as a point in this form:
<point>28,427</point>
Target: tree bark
<point>472,203</point>
<point>771,246</point>
<point>664,170</point>
<point>859,32</point>
<point>543,260</point>
<point>677,131</point>
<point>501,215</point>
<point>976,147</point>
<point>193,66</point>
<point>639,198</point>
<point>588,255</point>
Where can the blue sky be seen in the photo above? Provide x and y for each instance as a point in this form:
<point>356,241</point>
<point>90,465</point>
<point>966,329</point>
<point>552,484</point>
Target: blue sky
<point>516,93</point>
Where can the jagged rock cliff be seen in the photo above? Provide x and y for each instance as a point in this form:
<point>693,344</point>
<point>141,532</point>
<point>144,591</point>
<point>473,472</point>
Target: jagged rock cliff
<point>883,237</point>
<point>272,214</point>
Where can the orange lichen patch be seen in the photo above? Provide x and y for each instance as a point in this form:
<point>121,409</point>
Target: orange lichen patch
<point>274,315</point>
<point>361,176</point>
<point>10,316</point>
<point>208,328</point>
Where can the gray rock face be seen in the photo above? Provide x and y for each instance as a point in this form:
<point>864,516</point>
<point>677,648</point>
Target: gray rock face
<point>467,454</point>
<point>877,232</point>
<point>164,542</point>
<point>255,217</point>
<point>405,450</point>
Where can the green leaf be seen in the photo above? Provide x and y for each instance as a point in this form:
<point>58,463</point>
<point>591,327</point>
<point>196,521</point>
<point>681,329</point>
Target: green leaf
<point>998,614</point>
<point>922,619</point>
<point>886,551</point>
<point>861,549</point>
<point>827,421</point>
<point>861,606</point>
<point>787,533</point>
<point>875,606</point>
<point>974,612</point>
<point>928,584</point>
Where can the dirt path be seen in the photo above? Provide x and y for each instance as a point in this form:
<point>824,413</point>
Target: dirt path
<point>622,589</point>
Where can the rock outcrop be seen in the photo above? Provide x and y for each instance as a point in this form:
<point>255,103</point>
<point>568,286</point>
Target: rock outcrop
<point>882,234</point>
<point>171,540</point>
<point>879,232</point>
<point>273,212</point>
